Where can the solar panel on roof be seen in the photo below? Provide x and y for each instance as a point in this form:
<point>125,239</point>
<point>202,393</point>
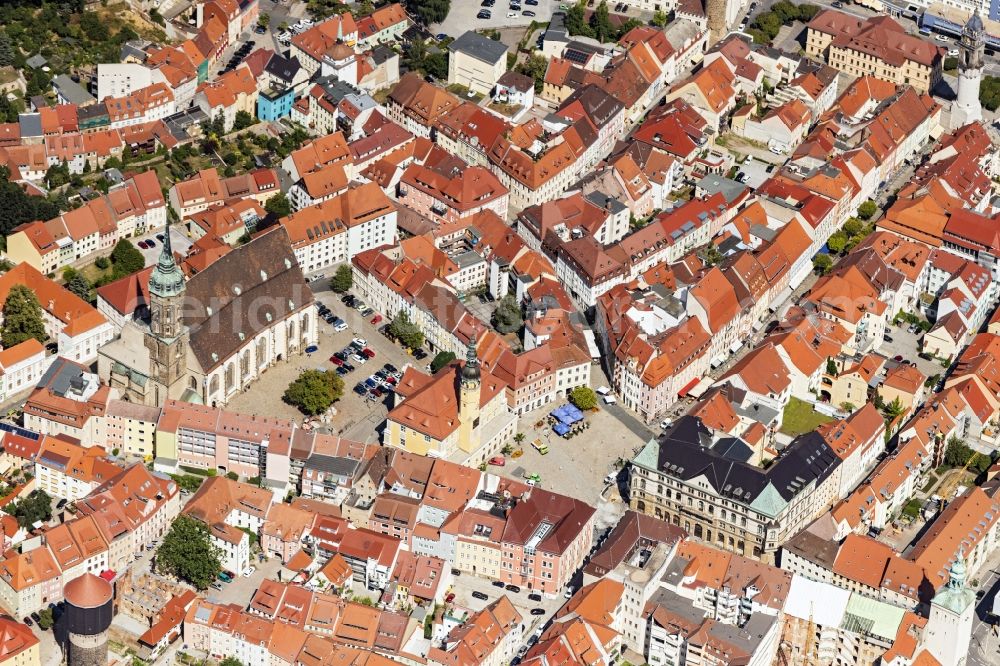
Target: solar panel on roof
<point>576,56</point>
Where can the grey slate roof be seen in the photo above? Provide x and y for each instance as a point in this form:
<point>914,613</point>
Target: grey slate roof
<point>282,67</point>
<point>72,91</point>
<point>250,289</point>
<point>31,124</point>
<point>729,188</point>
<point>685,452</point>
<point>481,48</point>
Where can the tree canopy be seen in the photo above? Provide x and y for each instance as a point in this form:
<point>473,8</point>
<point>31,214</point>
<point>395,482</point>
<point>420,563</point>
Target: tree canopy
<point>583,397</point>
<point>126,259</point>
<point>278,205</point>
<point>442,359</point>
<point>22,317</point>
<point>29,510</point>
<point>187,552</point>
<point>19,207</point>
<point>342,280</point>
<point>406,331</point>
<point>507,315</point>
<point>314,391</point>
<point>429,11</point>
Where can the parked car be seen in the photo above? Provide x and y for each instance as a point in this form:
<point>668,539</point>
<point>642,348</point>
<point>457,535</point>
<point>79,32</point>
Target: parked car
<point>250,572</point>
<point>27,620</point>
<point>527,12</point>
<point>376,319</point>
<point>499,461</point>
<point>359,359</point>
<point>534,596</point>
<point>339,324</point>
<point>510,587</point>
<point>537,611</point>
<point>312,349</point>
<point>216,586</point>
<point>336,360</point>
<point>360,389</point>
<point>342,371</point>
<point>450,598</point>
<point>498,583</point>
<point>419,354</point>
<point>360,343</point>
<point>476,595</point>
<point>367,353</point>
<point>61,503</point>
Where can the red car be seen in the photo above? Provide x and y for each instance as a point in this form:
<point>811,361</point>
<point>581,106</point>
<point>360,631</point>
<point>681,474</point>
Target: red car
<point>367,353</point>
<point>499,461</point>
<point>450,598</point>
<point>336,361</point>
<point>391,380</point>
<point>376,319</point>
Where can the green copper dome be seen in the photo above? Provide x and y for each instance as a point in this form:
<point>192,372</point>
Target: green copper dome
<point>167,279</point>
<point>955,596</point>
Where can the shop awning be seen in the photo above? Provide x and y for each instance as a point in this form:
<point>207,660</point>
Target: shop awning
<point>703,385</point>
<point>687,387</point>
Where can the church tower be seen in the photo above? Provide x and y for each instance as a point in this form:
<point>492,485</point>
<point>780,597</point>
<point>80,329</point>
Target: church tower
<point>967,108</point>
<point>167,339</point>
<point>469,396</point>
<point>949,628</point>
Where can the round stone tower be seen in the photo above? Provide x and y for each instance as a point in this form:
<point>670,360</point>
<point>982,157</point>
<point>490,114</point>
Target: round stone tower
<point>967,108</point>
<point>89,611</point>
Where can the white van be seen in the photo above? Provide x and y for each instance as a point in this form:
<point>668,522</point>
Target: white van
<point>602,390</point>
<point>610,400</point>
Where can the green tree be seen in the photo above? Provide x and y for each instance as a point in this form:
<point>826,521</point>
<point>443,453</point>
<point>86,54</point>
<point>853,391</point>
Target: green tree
<point>31,509</point>
<point>659,19</point>
<point>853,226</point>
<point>127,259</point>
<point>314,391</point>
<point>232,476</point>
<point>429,11</point>
<point>406,331</point>
<point>442,359</point>
<point>79,286</point>
<point>600,23</point>
<point>535,66</point>
<point>436,64</point>
<point>93,27</point>
<point>867,210</point>
<point>6,50</point>
<point>837,241</point>
<point>8,111</point>
<point>45,619</point>
<point>22,317</point>
<point>894,410</point>
<point>187,552</point>
<point>342,280</point>
<point>822,263</point>
<point>156,17</point>
<point>243,120</point>
<point>264,20</point>
<point>230,661</point>
<point>583,397</point>
<point>278,205</point>
<point>576,23</point>
<point>507,315</point>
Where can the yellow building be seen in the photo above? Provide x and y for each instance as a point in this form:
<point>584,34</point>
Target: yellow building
<point>459,413</point>
<point>476,62</point>
<point>18,644</point>
<point>851,382</point>
<point>33,244</point>
<point>877,46</point>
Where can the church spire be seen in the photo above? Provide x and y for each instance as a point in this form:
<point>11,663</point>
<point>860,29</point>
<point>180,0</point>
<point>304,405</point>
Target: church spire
<point>470,373</point>
<point>166,279</point>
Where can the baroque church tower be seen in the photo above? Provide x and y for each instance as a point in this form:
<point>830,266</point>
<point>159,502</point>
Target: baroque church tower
<point>167,338</point>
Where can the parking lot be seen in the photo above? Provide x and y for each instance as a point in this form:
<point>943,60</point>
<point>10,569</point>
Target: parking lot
<point>462,16</point>
<point>463,586</point>
<point>906,344</point>
<point>179,243</point>
<point>356,417</point>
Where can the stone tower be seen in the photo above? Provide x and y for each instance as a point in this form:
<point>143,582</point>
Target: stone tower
<point>949,628</point>
<point>715,10</point>
<point>167,339</point>
<point>469,396</point>
<point>88,615</point>
<point>967,108</point>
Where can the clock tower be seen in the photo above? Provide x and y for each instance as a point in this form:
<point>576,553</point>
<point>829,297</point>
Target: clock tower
<point>167,339</point>
<point>967,108</point>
